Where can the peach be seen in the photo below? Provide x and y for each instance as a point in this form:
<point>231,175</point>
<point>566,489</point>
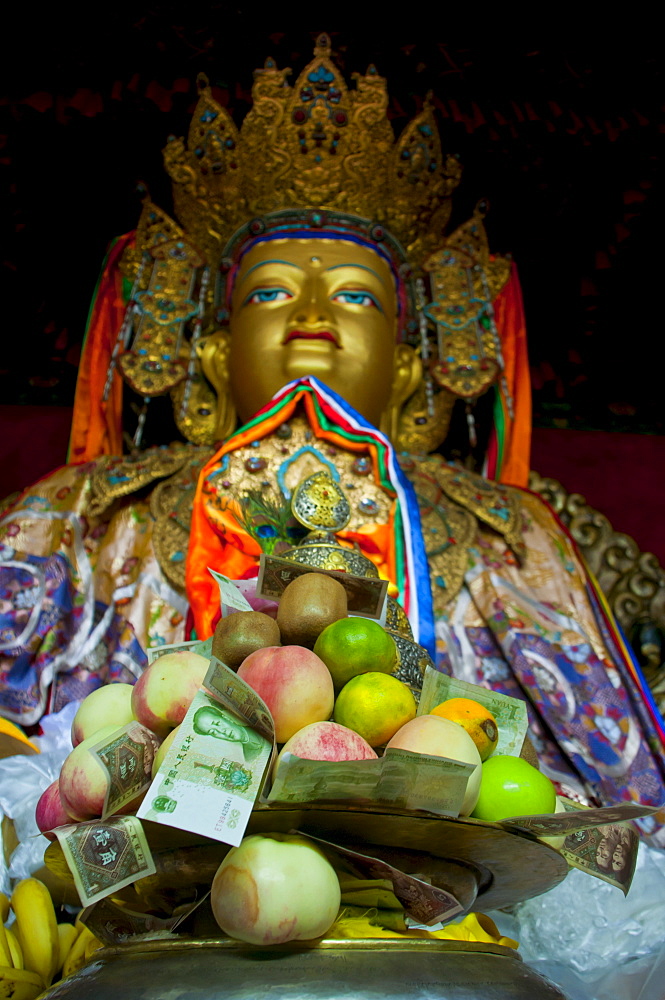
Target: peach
<point>165,689</point>
<point>439,737</point>
<point>327,741</point>
<point>83,779</point>
<point>275,888</point>
<point>295,685</point>
<point>108,705</point>
<point>50,811</point>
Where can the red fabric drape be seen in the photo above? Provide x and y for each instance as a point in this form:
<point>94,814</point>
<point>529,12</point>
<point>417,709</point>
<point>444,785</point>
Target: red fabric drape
<point>97,425</point>
<point>510,448</point>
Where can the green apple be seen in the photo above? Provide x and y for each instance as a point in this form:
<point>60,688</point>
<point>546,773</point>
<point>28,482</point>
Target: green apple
<point>511,786</point>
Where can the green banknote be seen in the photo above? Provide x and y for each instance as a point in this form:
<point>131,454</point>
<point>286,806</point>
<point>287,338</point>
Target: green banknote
<point>105,855</point>
<point>400,779</point>
<point>126,757</point>
<point>230,598</point>
<point>510,713</point>
<point>203,648</point>
<point>213,772</point>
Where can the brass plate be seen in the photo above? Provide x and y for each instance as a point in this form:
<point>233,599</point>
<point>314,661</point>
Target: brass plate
<point>509,867</point>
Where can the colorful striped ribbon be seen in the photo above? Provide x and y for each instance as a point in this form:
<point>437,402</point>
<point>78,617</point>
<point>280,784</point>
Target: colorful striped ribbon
<point>334,420</point>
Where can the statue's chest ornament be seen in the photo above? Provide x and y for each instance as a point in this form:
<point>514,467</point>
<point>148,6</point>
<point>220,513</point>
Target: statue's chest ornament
<point>276,464</point>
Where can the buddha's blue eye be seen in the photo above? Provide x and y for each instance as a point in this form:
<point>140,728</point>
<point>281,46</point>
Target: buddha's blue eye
<point>356,299</point>
<point>267,295</point>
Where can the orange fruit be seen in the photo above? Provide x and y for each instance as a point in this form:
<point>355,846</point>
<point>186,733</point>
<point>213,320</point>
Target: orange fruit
<point>478,721</point>
<point>353,646</point>
<point>374,705</point>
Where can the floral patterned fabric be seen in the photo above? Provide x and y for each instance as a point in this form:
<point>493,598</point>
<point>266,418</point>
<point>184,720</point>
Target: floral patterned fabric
<point>535,632</point>
<point>81,598</point>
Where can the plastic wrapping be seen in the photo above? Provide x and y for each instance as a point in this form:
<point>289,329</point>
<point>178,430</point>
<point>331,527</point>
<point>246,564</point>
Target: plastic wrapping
<point>591,941</point>
<point>23,778</point>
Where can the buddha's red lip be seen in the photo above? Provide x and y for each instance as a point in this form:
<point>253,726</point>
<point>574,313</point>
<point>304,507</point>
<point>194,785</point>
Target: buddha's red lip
<point>309,335</point>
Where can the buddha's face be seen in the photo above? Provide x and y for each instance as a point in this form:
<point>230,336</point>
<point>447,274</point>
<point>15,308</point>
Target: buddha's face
<point>321,307</point>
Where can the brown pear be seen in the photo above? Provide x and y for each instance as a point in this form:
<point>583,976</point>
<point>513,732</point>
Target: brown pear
<point>242,633</point>
<point>308,605</point>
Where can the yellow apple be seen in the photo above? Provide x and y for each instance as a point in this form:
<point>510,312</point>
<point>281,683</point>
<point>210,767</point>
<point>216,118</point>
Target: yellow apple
<point>275,888</point>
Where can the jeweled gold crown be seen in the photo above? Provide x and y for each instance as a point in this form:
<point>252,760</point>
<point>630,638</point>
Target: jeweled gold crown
<point>318,144</point>
<point>315,155</point>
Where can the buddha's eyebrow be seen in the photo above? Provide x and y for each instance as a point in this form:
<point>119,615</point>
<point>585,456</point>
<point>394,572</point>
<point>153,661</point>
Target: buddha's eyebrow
<point>262,263</point>
<point>363,267</point>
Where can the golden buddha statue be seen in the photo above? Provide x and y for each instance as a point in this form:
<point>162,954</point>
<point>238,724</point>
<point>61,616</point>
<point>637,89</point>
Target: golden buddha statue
<point>308,296</point>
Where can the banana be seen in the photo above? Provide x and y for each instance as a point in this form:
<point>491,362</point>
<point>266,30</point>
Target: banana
<point>76,957</point>
<point>17,984</point>
<point>14,948</point>
<point>5,951</point>
<point>37,927</point>
<point>92,946</point>
<point>67,935</point>
<point>4,907</point>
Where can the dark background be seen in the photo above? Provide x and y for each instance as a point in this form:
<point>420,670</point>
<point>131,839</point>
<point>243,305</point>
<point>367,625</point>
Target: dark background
<point>559,127</point>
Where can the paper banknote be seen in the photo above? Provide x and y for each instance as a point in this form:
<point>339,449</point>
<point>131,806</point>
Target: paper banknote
<point>230,597</point>
<point>126,757</point>
<point>400,779</point>
<point>113,923</point>
<point>225,685</point>
<point>608,852</point>
<point>212,774</point>
<point>557,824</point>
<point>510,713</point>
<point>424,902</point>
<point>365,596</point>
<point>203,648</point>
<point>105,855</point>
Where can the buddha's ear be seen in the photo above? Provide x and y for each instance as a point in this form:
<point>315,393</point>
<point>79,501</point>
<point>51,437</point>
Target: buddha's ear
<point>407,376</point>
<point>213,355</point>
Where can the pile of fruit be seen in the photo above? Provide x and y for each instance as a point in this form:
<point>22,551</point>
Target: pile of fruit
<point>327,679</point>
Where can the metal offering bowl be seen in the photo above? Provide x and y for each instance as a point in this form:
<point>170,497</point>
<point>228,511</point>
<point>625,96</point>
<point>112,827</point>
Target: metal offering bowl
<point>485,866</point>
<point>386,969</point>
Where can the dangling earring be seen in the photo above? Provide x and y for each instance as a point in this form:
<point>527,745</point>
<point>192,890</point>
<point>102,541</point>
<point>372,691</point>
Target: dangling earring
<point>425,416</point>
<point>469,351</point>
<point>125,331</point>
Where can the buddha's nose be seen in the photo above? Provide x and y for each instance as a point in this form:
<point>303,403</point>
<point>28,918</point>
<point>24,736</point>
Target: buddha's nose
<point>313,305</point>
